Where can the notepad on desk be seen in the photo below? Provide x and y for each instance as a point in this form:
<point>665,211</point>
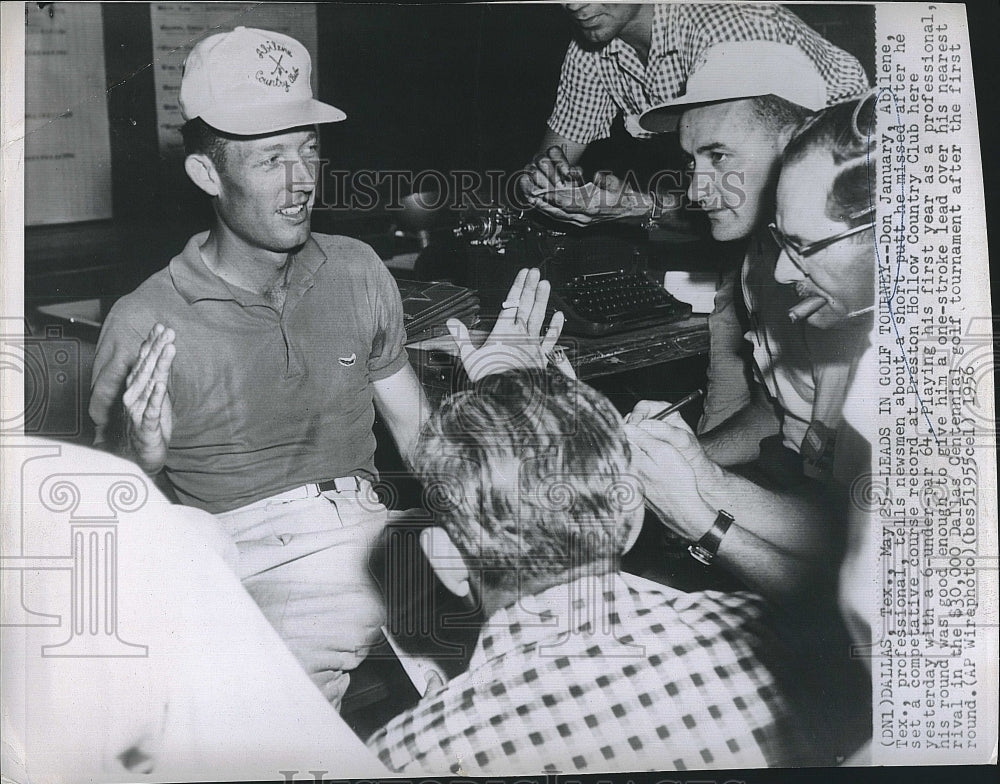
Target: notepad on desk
<point>82,311</point>
<point>427,306</point>
<point>697,288</point>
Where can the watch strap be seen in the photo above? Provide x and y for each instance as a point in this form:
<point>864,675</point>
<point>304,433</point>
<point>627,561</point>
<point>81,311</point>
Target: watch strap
<point>706,548</point>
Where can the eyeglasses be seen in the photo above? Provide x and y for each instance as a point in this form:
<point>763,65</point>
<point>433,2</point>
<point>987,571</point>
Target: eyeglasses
<point>798,250</point>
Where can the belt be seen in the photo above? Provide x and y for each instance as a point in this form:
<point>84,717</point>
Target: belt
<point>342,484</point>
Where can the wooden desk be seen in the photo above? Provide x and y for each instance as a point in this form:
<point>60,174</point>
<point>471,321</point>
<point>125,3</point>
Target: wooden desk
<point>437,365</point>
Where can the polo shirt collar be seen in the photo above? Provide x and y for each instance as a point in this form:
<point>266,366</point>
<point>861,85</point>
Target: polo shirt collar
<point>195,281</point>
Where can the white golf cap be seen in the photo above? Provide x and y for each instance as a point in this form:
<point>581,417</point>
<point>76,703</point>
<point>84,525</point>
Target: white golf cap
<point>249,82</point>
<point>743,69</point>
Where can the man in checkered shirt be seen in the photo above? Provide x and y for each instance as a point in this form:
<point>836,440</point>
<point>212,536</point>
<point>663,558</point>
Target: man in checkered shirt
<point>579,667</point>
<point>632,56</point>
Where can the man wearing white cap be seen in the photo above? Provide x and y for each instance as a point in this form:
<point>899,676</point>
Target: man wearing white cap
<point>630,56</point>
<point>249,369</point>
<point>742,107</point>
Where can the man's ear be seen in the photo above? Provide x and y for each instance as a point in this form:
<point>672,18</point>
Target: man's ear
<point>203,173</point>
<point>635,516</point>
<point>446,560</point>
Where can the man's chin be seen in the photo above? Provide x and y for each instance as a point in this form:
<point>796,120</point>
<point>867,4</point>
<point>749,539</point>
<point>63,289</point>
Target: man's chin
<point>289,243</point>
<point>724,231</point>
<point>298,236</point>
<point>594,38</point>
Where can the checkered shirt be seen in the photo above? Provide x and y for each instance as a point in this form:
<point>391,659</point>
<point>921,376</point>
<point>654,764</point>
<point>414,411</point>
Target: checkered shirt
<point>647,679</point>
<point>595,85</point>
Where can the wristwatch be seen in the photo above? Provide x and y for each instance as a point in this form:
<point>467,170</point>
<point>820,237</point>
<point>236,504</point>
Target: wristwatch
<point>706,548</point>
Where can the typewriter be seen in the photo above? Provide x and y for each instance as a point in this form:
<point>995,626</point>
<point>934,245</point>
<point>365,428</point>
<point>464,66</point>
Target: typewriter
<point>599,280</point>
<point>605,303</point>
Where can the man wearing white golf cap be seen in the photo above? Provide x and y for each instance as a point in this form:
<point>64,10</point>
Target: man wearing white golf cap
<point>742,106</point>
<point>735,132</point>
<point>628,57</point>
<point>249,369</point>
<point>246,369</point>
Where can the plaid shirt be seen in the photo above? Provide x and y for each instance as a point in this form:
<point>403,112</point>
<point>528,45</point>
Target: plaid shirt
<point>595,85</point>
<point>649,679</point>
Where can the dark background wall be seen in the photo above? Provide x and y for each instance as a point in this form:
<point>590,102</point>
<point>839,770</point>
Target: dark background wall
<point>457,86</point>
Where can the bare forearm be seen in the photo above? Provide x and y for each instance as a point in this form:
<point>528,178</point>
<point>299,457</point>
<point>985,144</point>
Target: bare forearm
<point>787,578</point>
<point>780,568</point>
<point>789,568</point>
<point>402,403</point>
<point>737,440</point>
<point>406,430</point>
<point>807,526</point>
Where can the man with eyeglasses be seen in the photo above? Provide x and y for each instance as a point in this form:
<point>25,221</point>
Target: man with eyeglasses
<point>831,294</point>
<point>823,226</point>
<point>743,107</point>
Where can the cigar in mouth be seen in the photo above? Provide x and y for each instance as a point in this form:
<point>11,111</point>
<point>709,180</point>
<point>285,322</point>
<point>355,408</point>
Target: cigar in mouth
<point>806,308</point>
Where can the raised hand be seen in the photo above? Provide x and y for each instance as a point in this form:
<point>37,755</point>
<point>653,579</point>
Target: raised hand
<point>149,414</point>
<point>515,342</point>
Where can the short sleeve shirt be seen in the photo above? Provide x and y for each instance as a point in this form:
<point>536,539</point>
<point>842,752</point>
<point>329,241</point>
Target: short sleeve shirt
<point>595,85</point>
<point>641,678</point>
<point>262,400</point>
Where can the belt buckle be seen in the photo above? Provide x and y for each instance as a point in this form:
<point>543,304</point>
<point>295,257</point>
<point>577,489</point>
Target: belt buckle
<point>353,484</point>
<point>342,484</point>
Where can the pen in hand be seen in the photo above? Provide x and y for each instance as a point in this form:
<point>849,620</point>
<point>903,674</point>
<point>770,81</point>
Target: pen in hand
<point>684,401</point>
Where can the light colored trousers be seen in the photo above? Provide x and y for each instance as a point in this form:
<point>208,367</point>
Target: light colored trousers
<point>303,557</point>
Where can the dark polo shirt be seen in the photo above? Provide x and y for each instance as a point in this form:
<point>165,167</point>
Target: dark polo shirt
<point>262,401</point>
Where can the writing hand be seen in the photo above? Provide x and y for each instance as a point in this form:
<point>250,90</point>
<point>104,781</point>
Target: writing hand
<point>549,171</point>
<point>606,199</point>
<point>675,473</point>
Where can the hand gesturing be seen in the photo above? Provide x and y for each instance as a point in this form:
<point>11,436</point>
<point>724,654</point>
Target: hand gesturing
<point>515,343</point>
<point>147,405</point>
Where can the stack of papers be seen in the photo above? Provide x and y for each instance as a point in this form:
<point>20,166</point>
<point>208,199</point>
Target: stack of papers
<point>428,305</point>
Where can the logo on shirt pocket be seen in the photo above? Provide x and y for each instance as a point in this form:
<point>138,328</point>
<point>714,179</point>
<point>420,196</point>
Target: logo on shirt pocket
<point>348,361</point>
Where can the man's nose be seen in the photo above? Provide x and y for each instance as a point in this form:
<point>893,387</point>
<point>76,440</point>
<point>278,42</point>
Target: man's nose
<point>786,271</point>
<point>701,189</point>
<point>301,174</point>
<point>574,7</point>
